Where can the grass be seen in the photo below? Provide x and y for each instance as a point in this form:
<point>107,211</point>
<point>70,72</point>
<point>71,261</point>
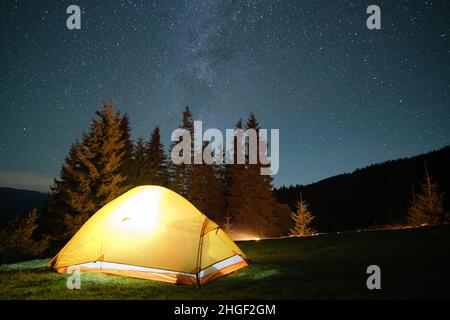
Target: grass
<point>415,264</point>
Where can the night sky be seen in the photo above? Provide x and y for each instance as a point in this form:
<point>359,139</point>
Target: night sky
<point>342,96</point>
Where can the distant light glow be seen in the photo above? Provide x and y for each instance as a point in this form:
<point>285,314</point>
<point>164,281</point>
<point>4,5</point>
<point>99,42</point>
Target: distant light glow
<point>243,236</point>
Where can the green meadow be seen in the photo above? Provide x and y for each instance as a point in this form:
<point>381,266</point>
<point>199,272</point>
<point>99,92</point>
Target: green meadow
<point>415,264</point>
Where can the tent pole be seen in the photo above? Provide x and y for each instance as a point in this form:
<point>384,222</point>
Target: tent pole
<point>198,280</point>
<point>199,253</point>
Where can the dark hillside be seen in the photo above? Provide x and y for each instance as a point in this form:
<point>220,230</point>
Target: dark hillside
<point>377,194</point>
<point>18,202</point>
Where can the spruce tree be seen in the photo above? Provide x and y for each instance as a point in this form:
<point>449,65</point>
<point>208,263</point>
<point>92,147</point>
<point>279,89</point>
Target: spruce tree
<point>94,173</point>
<point>235,184</point>
<point>139,168</point>
<point>261,210</point>
<point>206,191</point>
<point>149,162</point>
<point>128,149</point>
<point>199,183</point>
<point>57,204</point>
<point>250,201</point>
<point>157,160</point>
<point>426,207</point>
<point>105,151</point>
<point>197,192</point>
<point>71,203</point>
<point>302,219</point>
<point>181,173</point>
<point>215,202</point>
<point>17,240</point>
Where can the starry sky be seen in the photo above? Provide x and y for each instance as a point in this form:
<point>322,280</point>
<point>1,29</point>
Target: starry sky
<point>342,96</point>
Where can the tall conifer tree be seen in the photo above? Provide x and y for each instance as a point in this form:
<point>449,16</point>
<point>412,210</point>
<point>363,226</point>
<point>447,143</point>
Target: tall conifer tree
<point>94,173</point>
<point>206,191</point>
<point>139,168</point>
<point>157,160</point>
<point>235,183</point>
<point>259,211</point>
<point>181,173</point>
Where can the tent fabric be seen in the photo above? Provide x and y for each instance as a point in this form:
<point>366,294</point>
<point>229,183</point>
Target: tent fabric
<point>154,233</point>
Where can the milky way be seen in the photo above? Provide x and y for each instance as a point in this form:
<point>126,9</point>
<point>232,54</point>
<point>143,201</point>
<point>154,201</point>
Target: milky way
<point>342,96</point>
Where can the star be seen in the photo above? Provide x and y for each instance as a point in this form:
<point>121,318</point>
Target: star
<point>327,82</point>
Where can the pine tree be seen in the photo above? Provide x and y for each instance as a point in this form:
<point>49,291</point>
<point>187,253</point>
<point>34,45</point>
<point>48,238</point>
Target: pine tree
<point>17,240</point>
<point>199,183</point>
<point>70,202</point>
<point>139,169</point>
<point>426,207</point>
<point>235,185</point>
<point>105,150</point>
<point>263,205</point>
<point>149,162</point>
<point>57,204</point>
<point>205,191</point>
<point>157,160</point>
<point>250,198</point>
<point>180,173</point>
<point>94,173</point>
<point>302,219</point>
<point>215,202</point>
<point>197,192</point>
<point>128,149</point>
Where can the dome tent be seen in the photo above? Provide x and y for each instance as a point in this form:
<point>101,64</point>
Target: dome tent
<point>151,232</point>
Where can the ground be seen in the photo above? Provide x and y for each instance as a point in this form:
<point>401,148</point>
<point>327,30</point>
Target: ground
<point>414,263</point>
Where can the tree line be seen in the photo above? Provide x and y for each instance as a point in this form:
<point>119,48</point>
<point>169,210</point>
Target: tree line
<point>105,163</point>
<point>404,192</point>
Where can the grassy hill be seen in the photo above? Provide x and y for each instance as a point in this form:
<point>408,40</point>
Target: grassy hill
<point>414,264</point>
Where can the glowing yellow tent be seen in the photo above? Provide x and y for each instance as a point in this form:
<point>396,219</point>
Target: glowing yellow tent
<point>151,232</point>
